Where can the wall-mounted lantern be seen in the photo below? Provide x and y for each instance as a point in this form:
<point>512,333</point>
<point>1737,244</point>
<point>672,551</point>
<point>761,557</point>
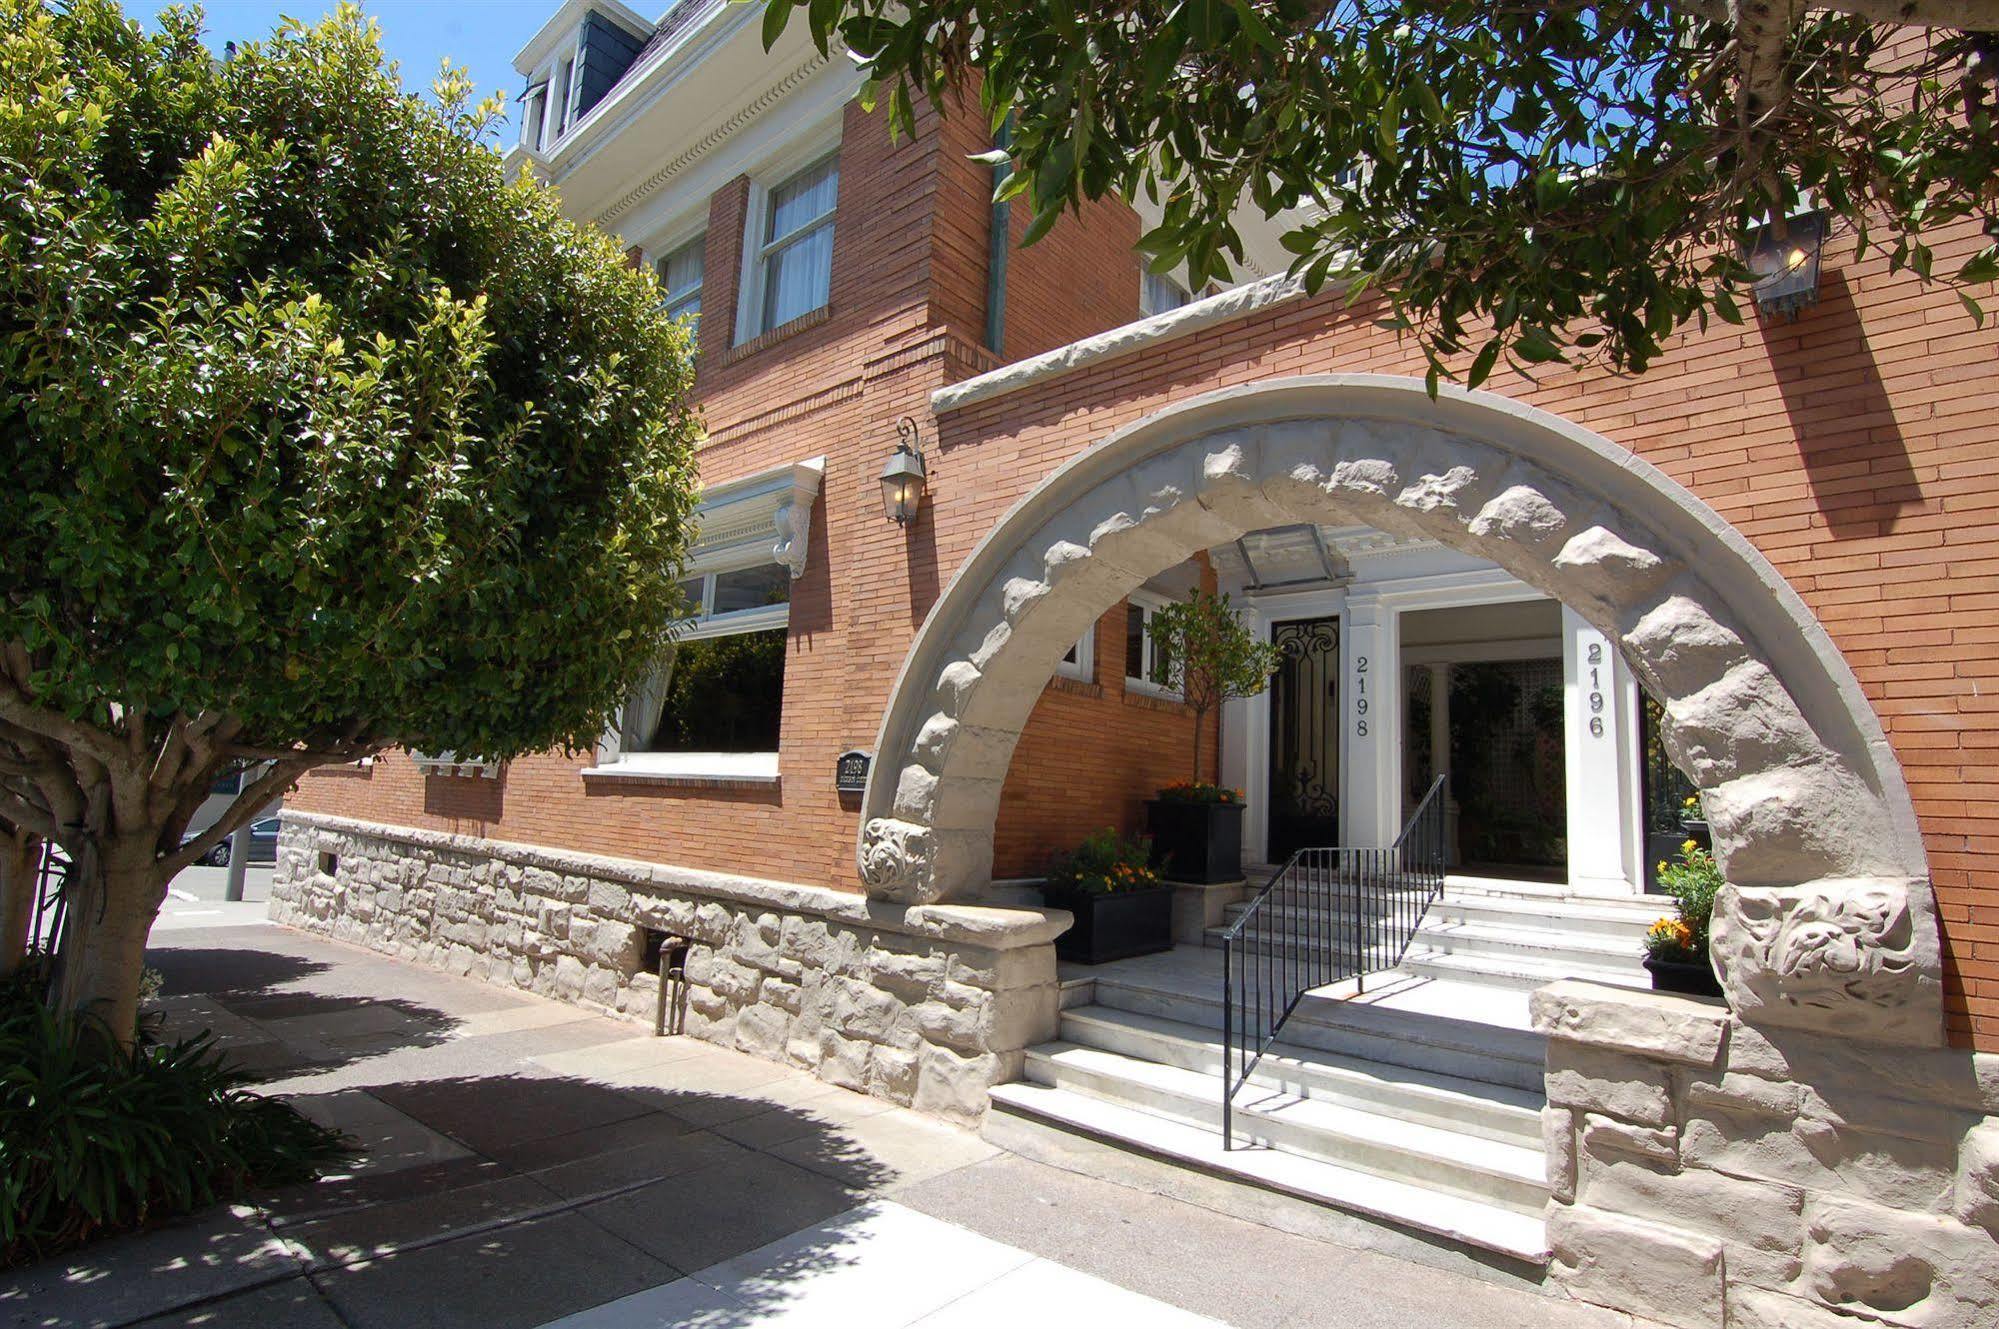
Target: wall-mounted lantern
<point>903,476</point>
<point>1784,255</point>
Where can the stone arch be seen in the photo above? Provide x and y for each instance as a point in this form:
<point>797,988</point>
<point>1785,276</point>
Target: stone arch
<point>1829,920</point>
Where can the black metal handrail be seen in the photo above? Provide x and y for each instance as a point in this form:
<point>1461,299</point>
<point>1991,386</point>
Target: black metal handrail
<point>1326,916</point>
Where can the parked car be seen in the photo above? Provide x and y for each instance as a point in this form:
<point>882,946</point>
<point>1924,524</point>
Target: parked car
<point>263,844</point>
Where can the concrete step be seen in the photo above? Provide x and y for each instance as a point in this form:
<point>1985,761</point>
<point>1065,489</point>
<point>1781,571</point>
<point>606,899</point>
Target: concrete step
<point>1460,1042</point>
<point>1523,972</point>
<point>1492,1112</point>
<point>1617,920</point>
<point>1548,945</point>
<point>1022,1114</point>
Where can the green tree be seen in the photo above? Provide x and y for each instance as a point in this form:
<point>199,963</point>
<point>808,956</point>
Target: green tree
<point>319,437</point>
<point>1210,656</point>
<point>1533,181</point>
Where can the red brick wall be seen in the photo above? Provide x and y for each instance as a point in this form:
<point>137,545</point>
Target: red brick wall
<point>1854,447</point>
<point>1093,751</point>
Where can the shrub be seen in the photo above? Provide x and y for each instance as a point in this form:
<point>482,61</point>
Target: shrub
<point>1692,882</point>
<point>95,1138</point>
<point>1104,863</point>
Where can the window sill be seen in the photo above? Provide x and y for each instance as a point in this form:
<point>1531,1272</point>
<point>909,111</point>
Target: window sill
<point>738,768</point>
<point>1152,699</point>
<point>777,334</point>
<point>1074,686</point>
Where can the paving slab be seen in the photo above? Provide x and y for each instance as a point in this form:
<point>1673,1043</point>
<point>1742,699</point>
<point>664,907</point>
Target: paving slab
<point>885,1151</point>
<point>123,1279</point>
<point>292,1304</point>
<point>617,1158</point>
<point>388,1138</point>
<point>493,1114</point>
<point>383,1228</point>
<point>514,1277</point>
<point>718,1212</point>
<point>1048,1295</point>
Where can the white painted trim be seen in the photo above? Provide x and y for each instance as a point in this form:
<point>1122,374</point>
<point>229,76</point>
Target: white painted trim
<point>805,152</point>
<point>689,767</point>
<point>1084,668</point>
<point>1149,603</point>
<point>763,517</point>
<point>569,14</point>
<point>1141,335</point>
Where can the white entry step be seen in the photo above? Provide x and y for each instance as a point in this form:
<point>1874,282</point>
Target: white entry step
<point>1490,1227</point>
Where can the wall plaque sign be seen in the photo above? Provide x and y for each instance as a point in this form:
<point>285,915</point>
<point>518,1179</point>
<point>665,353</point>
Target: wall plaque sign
<point>850,772</point>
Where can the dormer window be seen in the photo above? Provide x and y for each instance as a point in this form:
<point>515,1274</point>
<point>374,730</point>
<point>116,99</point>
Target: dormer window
<point>579,55</point>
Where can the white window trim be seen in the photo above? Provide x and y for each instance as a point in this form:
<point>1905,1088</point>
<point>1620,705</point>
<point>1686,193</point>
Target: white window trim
<point>1149,602</point>
<point>1084,667</point>
<point>745,523</point>
<point>758,768</point>
<point>658,253</point>
<point>773,175</point>
<point>1144,305</point>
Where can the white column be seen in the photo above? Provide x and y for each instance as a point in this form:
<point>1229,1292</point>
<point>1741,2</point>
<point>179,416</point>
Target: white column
<point>1598,746</point>
<point>1371,728</point>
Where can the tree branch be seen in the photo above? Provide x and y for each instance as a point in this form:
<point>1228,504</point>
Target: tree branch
<point>266,788</point>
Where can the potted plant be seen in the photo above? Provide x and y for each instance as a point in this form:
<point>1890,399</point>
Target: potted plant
<point>1122,909</point>
<point>1694,823</point>
<point>1676,948</point>
<point>1210,657</point>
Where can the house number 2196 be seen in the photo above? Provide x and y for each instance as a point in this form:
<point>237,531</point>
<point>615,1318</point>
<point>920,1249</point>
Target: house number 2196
<point>1596,689</point>
<point>1360,696</point>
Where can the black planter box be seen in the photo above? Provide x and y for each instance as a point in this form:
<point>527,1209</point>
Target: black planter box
<point>1695,979</point>
<point>1114,925</point>
<point>1196,842</point>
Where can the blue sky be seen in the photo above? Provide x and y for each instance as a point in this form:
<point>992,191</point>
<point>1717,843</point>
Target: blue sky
<point>481,35</point>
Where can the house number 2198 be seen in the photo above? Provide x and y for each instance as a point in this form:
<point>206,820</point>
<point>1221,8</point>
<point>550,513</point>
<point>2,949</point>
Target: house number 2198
<point>1596,689</point>
<point>1360,696</point>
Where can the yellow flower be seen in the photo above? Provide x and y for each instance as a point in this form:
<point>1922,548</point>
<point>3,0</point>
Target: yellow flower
<point>1662,865</point>
<point>1689,847</point>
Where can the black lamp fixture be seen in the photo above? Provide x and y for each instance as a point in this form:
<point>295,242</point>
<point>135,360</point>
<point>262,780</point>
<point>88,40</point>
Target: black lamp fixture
<point>1784,255</point>
<point>903,476</point>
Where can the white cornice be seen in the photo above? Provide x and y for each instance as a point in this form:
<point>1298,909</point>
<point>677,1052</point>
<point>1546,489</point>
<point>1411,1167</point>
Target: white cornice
<point>770,511</point>
<point>660,178</point>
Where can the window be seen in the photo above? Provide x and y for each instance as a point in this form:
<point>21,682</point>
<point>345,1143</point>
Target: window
<point>534,115</point>
<point>1159,294</point>
<point>562,81</point>
<point>794,251</point>
<point>1081,661</point>
<point>720,688</point>
<point>1146,666</point>
<point>680,278</point>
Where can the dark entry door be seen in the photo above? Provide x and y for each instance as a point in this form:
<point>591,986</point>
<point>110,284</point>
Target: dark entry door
<point>1305,737</point>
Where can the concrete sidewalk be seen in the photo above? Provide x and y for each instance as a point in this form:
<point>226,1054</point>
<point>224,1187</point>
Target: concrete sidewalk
<point>526,1163</point>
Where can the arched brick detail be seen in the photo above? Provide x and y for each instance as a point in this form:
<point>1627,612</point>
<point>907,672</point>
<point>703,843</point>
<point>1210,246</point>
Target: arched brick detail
<point>1828,921</point>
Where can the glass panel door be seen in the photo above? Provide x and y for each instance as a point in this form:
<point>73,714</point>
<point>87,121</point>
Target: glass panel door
<point>1304,737</point>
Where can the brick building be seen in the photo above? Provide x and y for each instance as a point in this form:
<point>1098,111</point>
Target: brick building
<point>1765,570</point>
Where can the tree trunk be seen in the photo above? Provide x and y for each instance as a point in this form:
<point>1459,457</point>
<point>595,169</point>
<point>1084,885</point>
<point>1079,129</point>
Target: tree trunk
<point>115,894</point>
<point>19,856</point>
<point>1200,723</point>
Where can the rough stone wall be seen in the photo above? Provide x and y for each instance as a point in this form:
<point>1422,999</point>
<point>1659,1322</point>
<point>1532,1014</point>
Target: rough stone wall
<point>1705,1172</point>
<point>923,1008</point>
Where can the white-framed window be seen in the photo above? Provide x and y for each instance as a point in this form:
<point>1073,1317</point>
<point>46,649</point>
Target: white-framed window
<point>1158,294</point>
<point>719,690</point>
<point>565,78</point>
<point>1146,667</point>
<point>679,271</point>
<point>534,115</point>
<point>788,245</point>
<point>712,707</point>
<point>1081,661</point>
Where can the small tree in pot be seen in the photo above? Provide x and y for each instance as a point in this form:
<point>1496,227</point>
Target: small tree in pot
<point>1209,657</point>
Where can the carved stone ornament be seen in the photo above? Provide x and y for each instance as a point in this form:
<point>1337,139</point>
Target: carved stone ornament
<point>895,861</point>
<point>792,522</point>
<point>1855,957</point>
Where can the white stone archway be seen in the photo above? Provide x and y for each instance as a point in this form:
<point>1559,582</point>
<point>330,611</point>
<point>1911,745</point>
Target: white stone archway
<point>1829,921</point>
